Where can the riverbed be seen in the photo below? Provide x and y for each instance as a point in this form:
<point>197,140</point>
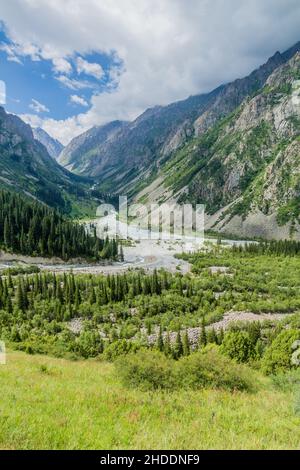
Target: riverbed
<point>145,254</point>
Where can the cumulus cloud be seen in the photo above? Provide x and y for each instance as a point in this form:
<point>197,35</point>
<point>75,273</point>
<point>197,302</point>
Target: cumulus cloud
<point>73,83</point>
<point>61,65</point>
<point>11,53</point>
<point>89,68</point>
<point>78,100</point>
<point>169,49</point>
<point>72,126</point>
<point>38,107</point>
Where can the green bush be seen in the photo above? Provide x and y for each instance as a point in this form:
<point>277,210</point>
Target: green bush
<point>151,370</point>
<point>287,381</point>
<point>238,345</point>
<point>148,370</point>
<point>209,368</point>
<point>21,269</point>
<point>277,357</point>
<point>89,344</point>
<point>119,348</point>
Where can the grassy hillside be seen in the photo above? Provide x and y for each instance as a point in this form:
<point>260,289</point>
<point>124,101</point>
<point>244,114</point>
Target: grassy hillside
<point>57,404</point>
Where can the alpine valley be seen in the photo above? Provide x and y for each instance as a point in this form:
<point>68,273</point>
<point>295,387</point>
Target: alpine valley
<point>236,150</point>
<point>115,342</point>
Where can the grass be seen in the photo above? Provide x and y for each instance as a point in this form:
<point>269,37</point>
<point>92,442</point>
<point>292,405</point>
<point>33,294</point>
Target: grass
<point>57,404</point>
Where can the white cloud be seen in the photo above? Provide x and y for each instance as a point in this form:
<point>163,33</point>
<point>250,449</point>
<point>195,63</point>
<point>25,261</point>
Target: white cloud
<point>170,49</point>
<point>74,84</point>
<point>61,65</point>
<point>38,107</point>
<point>60,130</point>
<point>11,53</point>
<point>16,51</point>
<point>89,68</point>
<point>78,100</point>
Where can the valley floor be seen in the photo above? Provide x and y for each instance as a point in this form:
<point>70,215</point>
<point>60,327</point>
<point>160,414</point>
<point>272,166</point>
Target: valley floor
<point>145,254</point>
<point>58,404</point>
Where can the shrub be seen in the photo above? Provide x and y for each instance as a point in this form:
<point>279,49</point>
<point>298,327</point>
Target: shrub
<point>119,348</point>
<point>89,344</point>
<point>209,368</point>
<point>151,370</point>
<point>20,269</point>
<point>277,357</point>
<point>287,381</point>
<point>238,345</point>
<point>146,370</point>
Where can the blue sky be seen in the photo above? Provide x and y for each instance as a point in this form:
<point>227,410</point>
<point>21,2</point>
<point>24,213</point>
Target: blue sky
<point>33,85</point>
<point>89,62</point>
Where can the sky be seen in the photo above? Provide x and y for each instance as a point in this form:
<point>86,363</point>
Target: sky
<point>70,65</point>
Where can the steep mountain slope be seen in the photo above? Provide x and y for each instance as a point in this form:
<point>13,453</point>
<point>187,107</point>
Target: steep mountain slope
<point>80,154</point>
<point>53,146</point>
<point>26,166</point>
<point>246,168</point>
<point>128,158</point>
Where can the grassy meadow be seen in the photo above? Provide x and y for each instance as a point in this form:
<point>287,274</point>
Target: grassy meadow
<point>49,403</point>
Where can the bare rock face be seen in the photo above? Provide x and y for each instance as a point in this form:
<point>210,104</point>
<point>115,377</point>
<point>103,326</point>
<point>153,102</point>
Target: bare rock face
<point>180,137</point>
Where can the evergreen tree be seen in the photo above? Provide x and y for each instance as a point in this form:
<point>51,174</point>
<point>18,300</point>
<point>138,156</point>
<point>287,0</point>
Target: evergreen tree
<point>186,344</point>
<point>202,336</point>
<point>167,345</point>
<point>178,347</point>
<point>160,340</point>
<point>121,254</point>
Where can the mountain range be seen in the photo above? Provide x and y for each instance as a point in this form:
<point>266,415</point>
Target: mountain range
<point>53,146</point>
<point>235,149</point>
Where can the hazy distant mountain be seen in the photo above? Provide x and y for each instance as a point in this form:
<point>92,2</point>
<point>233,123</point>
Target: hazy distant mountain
<point>53,146</point>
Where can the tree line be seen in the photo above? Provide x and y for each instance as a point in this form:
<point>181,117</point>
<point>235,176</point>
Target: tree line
<point>274,247</point>
<point>34,229</point>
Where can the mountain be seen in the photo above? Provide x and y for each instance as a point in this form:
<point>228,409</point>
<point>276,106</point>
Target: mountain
<point>80,153</point>
<point>245,168</point>
<point>127,156</point>
<point>26,166</point>
<point>53,146</point>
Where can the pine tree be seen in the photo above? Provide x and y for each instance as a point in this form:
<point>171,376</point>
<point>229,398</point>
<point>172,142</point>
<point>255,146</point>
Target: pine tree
<point>186,344</point>
<point>202,337</point>
<point>20,300</point>
<point>212,336</point>
<point>221,336</point>
<point>7,240</point>
<point>160,340</point>
<point>92,299</point>
<point>8,305</point>
<point>121,254</point>
<point>167,345</point>
<point>178,347</point>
